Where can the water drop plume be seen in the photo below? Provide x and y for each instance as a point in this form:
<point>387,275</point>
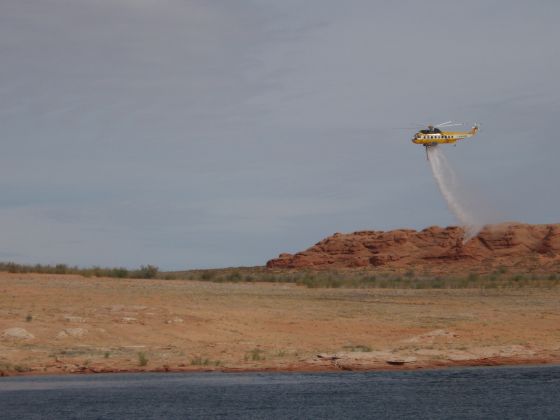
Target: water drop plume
<point>454,193</point>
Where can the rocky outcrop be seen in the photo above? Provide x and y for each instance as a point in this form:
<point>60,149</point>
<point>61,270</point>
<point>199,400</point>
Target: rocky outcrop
<point>74,319</point>
<point>507,244</point>
<point>429,357</point>
<point>72,332</point>
<point>17,333</point>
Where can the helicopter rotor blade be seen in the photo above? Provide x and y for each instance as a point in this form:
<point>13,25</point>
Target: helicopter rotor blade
<point>445,124</point>
<point>451,125</point>
<point>448,123</point>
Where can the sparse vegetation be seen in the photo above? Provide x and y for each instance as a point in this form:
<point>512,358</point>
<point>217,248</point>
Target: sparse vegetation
<point>5,367</point>
<point>200,361</point>
<point>207,275</point>
<point>142,359</point>
<point>119,272</point>
<point>255,355</point>
<point>358,348</point>
<point>21,368</point>
<point>391,281</point>
<point>234,277</point>
<point>8,367</point>
<point>29,318</point>
<point>145,271</point>
<point>500,278</point>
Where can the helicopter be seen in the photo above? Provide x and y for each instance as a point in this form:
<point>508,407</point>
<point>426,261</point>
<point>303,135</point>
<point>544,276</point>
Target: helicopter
<point>434,135</point>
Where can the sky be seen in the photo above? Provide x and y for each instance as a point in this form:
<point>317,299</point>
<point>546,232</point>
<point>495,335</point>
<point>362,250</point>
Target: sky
<point>200,134</point>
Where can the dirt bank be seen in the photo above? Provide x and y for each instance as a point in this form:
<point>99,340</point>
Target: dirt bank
<point>57,324</point>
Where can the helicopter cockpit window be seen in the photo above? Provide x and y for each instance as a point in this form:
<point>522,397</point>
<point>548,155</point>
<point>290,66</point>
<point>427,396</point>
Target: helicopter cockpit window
<point>431,130</point>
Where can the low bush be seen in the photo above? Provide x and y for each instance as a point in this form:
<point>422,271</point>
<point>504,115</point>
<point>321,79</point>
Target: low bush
<point>500,278</point>
<point>358,348</point>
<point>255,355</point>
<point>146,272</point>
<point>200,361</point>
<point>142,359</point>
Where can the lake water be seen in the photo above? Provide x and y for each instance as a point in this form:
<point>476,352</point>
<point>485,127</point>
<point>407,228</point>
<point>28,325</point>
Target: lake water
<point>504,392</point>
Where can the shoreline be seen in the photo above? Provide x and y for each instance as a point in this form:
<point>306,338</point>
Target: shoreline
<point>303,368</point>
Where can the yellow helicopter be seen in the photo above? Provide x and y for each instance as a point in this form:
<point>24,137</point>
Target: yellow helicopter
<point>434,135</point>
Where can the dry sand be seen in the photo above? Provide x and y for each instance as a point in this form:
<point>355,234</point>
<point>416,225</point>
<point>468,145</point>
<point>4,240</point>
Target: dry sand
<point>64,323</point>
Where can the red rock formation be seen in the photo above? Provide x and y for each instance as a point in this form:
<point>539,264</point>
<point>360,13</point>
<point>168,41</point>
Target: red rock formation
<point>507,244</point>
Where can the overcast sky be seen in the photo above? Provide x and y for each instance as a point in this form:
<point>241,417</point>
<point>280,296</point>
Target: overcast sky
<point>192,133</point>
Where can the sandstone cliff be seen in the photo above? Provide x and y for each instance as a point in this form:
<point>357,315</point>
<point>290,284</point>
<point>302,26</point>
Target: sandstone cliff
<point>517,245</point>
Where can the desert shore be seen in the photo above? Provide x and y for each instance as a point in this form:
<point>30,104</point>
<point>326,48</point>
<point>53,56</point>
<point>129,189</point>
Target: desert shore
<point>71,324</point>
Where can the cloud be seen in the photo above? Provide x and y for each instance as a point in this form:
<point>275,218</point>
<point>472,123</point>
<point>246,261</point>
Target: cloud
<point>220,133</point>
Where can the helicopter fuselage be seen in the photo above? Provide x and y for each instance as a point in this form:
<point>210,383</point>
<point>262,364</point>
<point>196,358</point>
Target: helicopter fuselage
<point>435,137</point>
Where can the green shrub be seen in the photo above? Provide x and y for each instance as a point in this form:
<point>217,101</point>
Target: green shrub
<point>519,277</point>
<point>358,348</point>
<point>142,359</point>
<point>255,355</point>
<point>234,277</point>
<point>473,277</point>
<point>148,271</point>
<point>208,275</point>
<point>12,267</point>
<point>61,269</point>
<point>199,361</point>
<point>119,272</point>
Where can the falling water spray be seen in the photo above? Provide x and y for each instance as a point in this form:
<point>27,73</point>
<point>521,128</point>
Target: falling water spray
<point>453,193</point>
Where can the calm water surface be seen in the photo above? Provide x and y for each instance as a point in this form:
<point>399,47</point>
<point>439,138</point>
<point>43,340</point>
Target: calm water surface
<point>511,392</point>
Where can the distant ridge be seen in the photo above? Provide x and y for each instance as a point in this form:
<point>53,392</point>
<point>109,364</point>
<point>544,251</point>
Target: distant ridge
<point>511,244</point>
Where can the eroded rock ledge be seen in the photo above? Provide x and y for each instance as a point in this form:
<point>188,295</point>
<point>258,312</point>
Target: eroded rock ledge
<point>507,244</point>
